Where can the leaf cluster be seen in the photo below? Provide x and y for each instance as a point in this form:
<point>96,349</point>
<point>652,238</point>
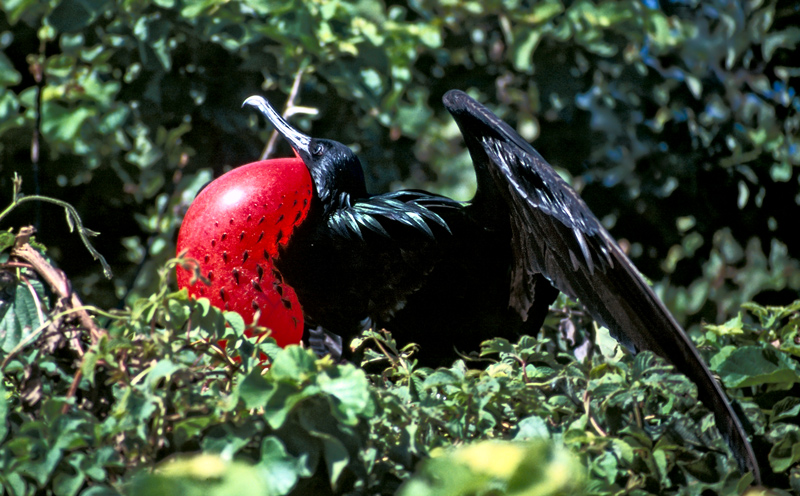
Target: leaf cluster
<point>676,120</point>
<point>176,396</point>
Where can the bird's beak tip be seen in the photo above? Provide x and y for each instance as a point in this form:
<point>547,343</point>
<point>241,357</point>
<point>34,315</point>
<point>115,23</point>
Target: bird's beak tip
<point>253,101</point>
<point>295,138</point>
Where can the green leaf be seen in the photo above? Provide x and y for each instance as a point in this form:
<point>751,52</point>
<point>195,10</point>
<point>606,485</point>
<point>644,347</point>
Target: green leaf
<point>3,412</point>
<point>335,455</point>
<point>731,327</point>
<point>177,313</point>
<point>229,439</point>
<point>67,483</point>
<point>254,389</point>
<point>781,171</point>
<point>532,428</point>
<point>786,452</point>
<point>100,491</point>
<point>200,475</point>
<point>42,467</point>
<point>609,347</point>
<point>73,15</point>
<point>236,322</point>
<point>347,387</point>
<point>294,363</point>
<point>496,467</point>
<point>191,429</point>
<point>21,311</point>
<point>496,345</point>
<point>280,469</point>
<point>163,369</point>
<point>525,44</point>
<point>786,409</point>
<point>787,38</point>
<point>695,86</point>
<point>195,9</point>
<point>442,377</point>
<point>62,124</point>
<point>755,365</point>
<point>7,240</point>
<point>8,75</point>
<point>282,399</point>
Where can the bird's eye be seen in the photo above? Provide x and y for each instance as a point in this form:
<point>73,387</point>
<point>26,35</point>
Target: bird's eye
<point>317,148</point>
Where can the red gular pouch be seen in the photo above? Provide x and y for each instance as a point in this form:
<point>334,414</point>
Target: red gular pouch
<point>233,230</point>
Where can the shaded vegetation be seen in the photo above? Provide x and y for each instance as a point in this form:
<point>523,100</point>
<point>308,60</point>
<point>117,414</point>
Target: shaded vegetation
<point>678,122</point>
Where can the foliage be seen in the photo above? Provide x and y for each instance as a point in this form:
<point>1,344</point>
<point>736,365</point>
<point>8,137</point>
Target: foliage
<point>535,468</point>
<point>678,122</point>
<point>173,397</point>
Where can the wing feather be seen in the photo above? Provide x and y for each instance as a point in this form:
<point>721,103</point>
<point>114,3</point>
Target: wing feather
<point>415,209</point>
<point>556,235</point>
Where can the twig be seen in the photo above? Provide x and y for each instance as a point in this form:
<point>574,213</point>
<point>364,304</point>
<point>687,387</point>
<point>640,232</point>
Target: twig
<point>56,279</point>
<point>637,414</point>
<point>289,109</point>
<point>76,379</point>
<point>37,70</point>
<point>35,297</point>
<point>587,406</point>
<point>523,365</point>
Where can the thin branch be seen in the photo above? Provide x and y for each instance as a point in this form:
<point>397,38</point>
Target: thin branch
<point>637,414</point>
<point>37,69</point>
<point>76,379</point>
<point>289,110</point>
<point>55,278</point>
<point>587,406</point>
<point>35,296</point>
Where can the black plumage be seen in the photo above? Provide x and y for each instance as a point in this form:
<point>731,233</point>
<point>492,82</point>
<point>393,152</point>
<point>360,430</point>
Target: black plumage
<point>446,274</point>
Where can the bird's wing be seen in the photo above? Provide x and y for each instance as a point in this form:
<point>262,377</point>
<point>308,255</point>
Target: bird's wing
<point>555,234</point>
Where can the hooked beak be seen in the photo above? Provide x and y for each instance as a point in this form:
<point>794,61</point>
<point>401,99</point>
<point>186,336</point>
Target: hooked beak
<point>299,141</point>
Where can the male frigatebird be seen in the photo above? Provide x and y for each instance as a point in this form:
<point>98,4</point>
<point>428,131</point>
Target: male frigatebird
<point>447,274</point>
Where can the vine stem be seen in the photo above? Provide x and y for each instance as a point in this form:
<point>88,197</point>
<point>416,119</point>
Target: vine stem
<point>37,69</point>
<point>289,110</point>
<point>73,387</point>
<point>73,220</point>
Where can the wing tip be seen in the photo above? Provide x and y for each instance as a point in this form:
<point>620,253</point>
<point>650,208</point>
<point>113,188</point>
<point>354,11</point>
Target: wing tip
<point>456,100</point>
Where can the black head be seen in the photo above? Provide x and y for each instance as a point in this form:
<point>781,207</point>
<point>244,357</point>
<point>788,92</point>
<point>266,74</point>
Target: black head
<point>335,169</point>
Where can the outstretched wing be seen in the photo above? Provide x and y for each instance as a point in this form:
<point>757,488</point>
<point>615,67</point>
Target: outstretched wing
<point>556,235</point>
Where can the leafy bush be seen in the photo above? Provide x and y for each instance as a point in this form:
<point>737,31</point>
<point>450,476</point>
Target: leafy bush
<point>676,120</point>
<point>93,412</point>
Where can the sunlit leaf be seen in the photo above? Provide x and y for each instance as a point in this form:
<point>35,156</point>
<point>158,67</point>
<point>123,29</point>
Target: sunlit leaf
<point>754,365</point>
<point>202,475</point>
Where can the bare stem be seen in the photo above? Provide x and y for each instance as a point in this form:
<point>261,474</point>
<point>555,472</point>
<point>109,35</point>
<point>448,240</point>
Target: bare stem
<point>55,278</point>
<point>273,138</point>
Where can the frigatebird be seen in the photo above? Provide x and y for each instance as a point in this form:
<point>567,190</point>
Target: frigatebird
<point>446,274</point>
